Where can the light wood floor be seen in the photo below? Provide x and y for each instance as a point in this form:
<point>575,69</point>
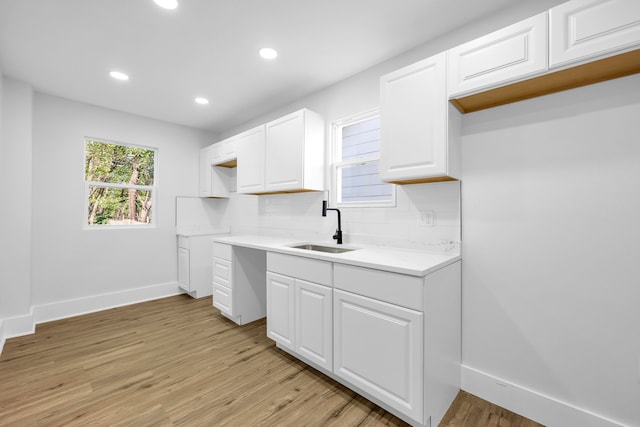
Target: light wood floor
<point>178,362</point>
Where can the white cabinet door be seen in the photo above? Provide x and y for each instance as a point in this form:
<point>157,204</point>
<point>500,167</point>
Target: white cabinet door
<point>314,322</point>
<point>206,155</point>
<point>280,309</point>
<point>225,152</point>
<point>184,280</point>
<point>284,152</point>
<point>504,56</point>
<point>582,30</point>
<point>378,347</point>
<point>414,123</point>
<point>250,148</point>
<point>295,152</point>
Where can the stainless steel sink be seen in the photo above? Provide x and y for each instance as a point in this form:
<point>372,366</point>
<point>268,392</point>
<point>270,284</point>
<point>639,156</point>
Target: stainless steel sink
<point>321,248</point>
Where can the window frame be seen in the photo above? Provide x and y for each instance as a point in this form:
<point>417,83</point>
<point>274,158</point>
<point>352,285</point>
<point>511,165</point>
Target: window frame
<point>153,189</point>
<point>337,162</point>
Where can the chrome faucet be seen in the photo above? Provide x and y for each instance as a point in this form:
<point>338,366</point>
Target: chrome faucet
<point>338,235</point>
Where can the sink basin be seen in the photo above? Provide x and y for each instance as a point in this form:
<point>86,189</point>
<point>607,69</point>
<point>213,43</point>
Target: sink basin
<point>321,248</point>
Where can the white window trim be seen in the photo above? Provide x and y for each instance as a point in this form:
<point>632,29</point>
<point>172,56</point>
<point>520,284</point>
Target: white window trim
<point>336,149</point>
<point>152,188</point>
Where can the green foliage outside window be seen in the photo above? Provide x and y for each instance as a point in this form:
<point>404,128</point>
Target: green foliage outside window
<point>120,183</point>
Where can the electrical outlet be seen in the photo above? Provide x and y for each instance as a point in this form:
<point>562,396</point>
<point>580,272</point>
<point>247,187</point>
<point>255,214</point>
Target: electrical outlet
<point>426,218</point>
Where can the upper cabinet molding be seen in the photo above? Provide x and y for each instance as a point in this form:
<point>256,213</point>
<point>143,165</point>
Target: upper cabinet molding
<point>585,29</point>
<point>504,56</point>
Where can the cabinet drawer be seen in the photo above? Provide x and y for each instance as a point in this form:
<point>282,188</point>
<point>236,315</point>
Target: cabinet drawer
<point>183,242</point>
<point>399,289</point>
<point>223,298</point>
<point>222,272</point>
<point>312,270</point>
<point>222,250</point>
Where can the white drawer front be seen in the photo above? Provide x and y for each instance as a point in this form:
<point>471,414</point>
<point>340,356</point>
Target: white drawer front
<point>312,270</point>
<point>223,298</point>
<point>222,272</point>
<point>406,291</point>
<point>183,242</point>
<point>222,250</point>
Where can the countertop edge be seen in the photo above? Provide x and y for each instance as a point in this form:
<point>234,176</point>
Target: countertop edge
<point>280,245</point>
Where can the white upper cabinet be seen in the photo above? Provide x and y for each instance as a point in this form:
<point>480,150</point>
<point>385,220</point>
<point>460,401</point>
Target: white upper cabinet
<point>294,158</point>
<point>215,181</point>
<point>250,149</point>
<point>507,55</point>
<point>224,152</point>
<point>419,128</point>
<point>206,155</point>
<point>583,30</point>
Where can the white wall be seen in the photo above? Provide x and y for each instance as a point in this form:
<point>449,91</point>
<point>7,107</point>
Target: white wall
<point>70,262</point>
<point>551,225</point>
<point>15,198</point>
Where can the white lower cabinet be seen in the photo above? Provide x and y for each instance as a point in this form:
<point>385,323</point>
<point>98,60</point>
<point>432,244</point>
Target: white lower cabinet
<point>194,272</point>
<point>394,338</point>
<point>238,282</point>
<point>378,348</point>
<point>299,312</point>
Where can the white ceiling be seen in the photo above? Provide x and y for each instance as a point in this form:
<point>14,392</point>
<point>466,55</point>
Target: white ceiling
<point>209,48</point>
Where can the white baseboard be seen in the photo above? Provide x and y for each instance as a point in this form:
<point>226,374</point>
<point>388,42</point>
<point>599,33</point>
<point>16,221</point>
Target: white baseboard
<point>25,324</point>
<point>536,406</point>
<point>2,338</point>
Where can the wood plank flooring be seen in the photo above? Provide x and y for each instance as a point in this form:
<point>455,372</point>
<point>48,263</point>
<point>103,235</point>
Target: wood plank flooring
<point>177,362</point>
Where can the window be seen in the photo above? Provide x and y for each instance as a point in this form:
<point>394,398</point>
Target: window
<point>357,163</point>
<point>119,184</point>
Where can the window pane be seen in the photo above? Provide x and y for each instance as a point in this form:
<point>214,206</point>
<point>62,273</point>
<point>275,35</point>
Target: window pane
<point>117,206</point>
<point>113,163</point>
<point>361,183</point>
<point>361,139</point>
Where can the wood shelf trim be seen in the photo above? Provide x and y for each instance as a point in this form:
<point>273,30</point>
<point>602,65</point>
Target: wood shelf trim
<point>613,67</point>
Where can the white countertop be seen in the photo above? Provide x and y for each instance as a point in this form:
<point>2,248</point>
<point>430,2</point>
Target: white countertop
<point>397,260</point>
<point>193,230</point>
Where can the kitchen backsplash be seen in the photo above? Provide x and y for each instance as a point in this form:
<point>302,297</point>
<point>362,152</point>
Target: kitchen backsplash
<point>426,216</point>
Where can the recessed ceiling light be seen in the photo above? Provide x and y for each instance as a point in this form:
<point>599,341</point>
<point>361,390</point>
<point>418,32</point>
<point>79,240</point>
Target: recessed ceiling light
<point>268,53</point>
<point>118,75</point>
<point>167,4</point>
<point>202,101</point>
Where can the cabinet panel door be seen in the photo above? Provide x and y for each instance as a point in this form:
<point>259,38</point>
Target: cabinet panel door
<point>250,150</point>
<point>285,139</point>
<point>413,121</point>
<point>280,309</point>
<point>206,155</point>
<point>314,322</point>
<point>581,30</point>
<point>504,56</point>
<point>378,347</point>
<point>183,269</point>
